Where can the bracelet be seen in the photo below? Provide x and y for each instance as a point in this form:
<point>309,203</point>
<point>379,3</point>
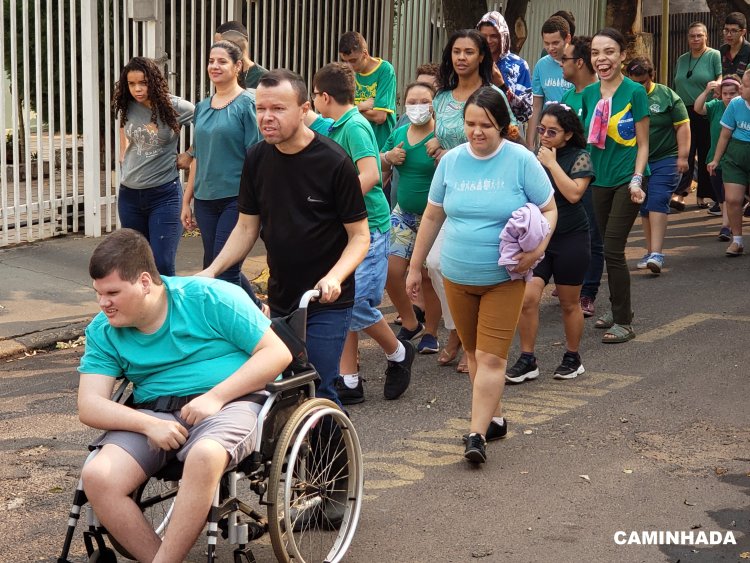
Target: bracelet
<point>385,157</point>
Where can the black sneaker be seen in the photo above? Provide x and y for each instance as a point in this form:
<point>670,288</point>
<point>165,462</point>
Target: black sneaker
<point>714,210</point>
<point>570,367</point>
<point>405,334</point>
<point>349,396</point>
<point>523,369</point>
<point>398,374</point>
<point>475,452</point>
<point>495,431</point>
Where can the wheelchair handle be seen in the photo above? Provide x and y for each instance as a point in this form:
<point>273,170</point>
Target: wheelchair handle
<point>310,295</point>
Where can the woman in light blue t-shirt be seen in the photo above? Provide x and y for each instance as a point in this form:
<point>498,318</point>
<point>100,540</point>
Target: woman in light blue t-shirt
<point>225,127</point>
<point>476,188</point>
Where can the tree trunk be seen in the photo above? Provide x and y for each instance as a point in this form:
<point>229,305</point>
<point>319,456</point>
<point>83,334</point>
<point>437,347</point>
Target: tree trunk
<point>515,15</point>
<point>462,14</point>
<point>721,8</point>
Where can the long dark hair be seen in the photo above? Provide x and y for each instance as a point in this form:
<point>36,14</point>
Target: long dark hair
<point>568,120</point>
<point>158,93</point>
<point>447,77</point>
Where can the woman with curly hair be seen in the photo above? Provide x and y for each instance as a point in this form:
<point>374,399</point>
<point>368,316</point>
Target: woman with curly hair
<point>150,195</point>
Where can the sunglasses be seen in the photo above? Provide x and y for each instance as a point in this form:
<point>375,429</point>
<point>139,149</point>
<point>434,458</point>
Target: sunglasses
<point>544,132</point>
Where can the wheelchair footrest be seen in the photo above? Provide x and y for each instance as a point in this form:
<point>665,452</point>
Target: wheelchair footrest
<point>243,555</point>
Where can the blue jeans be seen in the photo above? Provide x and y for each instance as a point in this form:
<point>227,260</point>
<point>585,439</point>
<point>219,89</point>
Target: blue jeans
<point>155,213</point>
<point>216,219</point>
<point>326,333</point>
<point>593,278</point>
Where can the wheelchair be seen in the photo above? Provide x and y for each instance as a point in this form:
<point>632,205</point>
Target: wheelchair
<point>306,469</point>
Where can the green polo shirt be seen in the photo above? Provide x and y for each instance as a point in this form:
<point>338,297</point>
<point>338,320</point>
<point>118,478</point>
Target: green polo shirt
<point>714,111</point>
<point>574,100</point>
<point>379,84</point>
<point>667,112</point>
<point>353,132</point>
<point>615,164</point>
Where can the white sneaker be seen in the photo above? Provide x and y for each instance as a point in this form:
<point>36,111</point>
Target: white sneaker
<point>643,262</point>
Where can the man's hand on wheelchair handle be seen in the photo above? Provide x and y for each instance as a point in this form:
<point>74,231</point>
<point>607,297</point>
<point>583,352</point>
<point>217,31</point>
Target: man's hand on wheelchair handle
<point>166,434</point>
<point>200,408</point>
<point>330,289</point>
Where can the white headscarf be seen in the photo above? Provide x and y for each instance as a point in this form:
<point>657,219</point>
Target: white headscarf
<point>498,22</point>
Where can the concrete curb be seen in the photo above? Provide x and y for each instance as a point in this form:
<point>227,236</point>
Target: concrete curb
<point>41,340</point>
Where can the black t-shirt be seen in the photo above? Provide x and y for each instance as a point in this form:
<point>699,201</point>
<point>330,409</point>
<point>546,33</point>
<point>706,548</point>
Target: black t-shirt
<point>303,201</point>
<point>738,64</point>
<point>576,163</point>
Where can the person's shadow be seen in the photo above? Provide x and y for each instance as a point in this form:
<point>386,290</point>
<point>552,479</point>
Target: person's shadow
<point>734,520</point>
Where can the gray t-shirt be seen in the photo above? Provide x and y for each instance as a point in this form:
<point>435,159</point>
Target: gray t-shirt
<point>151,157</point>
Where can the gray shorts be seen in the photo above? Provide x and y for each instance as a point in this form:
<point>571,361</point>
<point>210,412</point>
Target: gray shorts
<point>234,427</point>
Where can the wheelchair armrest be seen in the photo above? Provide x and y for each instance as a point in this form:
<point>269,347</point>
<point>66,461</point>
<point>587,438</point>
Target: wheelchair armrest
<point>297,380</point>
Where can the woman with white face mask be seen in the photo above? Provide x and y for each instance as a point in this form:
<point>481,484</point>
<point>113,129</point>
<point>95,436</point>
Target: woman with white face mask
<point>406,150</point>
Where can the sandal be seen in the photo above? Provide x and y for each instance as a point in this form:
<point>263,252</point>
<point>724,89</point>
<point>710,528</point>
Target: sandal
<point>463,365</point>
<point>446,358</point>
<point>618,334</point>
<point>607,320</point>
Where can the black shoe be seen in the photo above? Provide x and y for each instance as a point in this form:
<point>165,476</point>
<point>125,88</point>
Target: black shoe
<point>677,205</point>
<point>715,210</point>
<point>419,312</point>
<point>746,212</point>
<point>570,367</point>
<point>523,369</point>
<point>405,334</point>
<point>349,396</point>
<point>495,431</point>
<point>475,451</point>
<point>398,374</point>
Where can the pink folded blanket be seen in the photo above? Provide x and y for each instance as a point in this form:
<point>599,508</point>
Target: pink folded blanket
<point>524,231</point>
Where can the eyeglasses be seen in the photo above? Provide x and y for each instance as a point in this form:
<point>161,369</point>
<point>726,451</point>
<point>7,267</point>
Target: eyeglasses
<point>728,31</point>
<point>544,132</point>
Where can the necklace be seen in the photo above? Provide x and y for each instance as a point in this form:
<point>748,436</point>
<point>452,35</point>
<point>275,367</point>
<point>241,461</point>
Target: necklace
<point>690,70</point>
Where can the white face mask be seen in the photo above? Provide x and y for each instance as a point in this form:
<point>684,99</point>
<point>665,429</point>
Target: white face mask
<point>419,114</point>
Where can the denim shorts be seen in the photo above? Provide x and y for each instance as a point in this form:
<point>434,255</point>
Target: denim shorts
<point>404,227</point>
<point>662,183</point>
<point>369,283</point>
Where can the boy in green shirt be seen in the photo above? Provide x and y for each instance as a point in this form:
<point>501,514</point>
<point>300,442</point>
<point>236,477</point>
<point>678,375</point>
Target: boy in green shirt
<point>375,94</point>
<point>333,95</point>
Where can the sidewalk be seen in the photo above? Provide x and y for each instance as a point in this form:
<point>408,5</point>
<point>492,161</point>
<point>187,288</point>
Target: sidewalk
<point>46,294</point>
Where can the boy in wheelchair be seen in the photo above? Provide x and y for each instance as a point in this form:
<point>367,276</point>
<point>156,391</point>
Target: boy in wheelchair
<point>196,351</point>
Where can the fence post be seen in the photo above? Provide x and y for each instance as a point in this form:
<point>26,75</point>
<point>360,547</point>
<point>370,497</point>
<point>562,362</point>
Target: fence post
<point>90,95</point>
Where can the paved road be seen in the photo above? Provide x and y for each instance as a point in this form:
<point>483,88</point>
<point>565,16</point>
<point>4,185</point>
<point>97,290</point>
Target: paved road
<point>655,436</point>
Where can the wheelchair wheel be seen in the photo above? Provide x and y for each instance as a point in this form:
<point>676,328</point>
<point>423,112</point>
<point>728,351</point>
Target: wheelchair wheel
<point>155,498</point>
<point>316,485</point>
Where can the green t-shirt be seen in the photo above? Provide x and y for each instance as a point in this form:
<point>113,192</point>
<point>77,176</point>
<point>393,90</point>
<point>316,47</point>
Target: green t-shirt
<point>379,84</point>
<point>353,132</point>
<point>714,111</point>
<point>702,69</point>
<point>210,331</point>
<point>615,164</point>
<point>415,174</point>
<point>574,100</point>
<point>667,112</point>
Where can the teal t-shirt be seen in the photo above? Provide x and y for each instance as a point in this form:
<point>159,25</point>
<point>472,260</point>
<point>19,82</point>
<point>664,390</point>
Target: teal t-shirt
<point>211,329</point>
<point>322,125</point>
<point>478,196</point>
<point>714,112</point>
<point>547,80</point>
<point>702,69</point>
<point>221,138</point>
<point>449,118</point>
<point>737,118</point>
<point>615,164</point>
<point>415,174</point>
<point>356,137</point>
<point>667,112</point>
<point>379,84</point>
